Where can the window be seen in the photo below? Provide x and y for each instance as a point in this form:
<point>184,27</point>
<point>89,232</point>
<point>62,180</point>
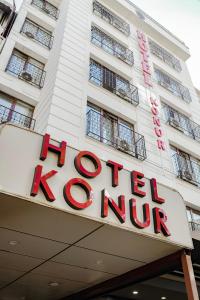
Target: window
<point>165,56</point>
<point>194,219</point>
<point>26,68</point>
<point>47,8</point>
<point>113,131</point>
<point>114,83</point>
<point>173,86</point>
<point>181,122</point>
<point>38,33</point>
<point>110,17</point>
<point>186,166</point>
<point>111,46</point>
<point>15,111</point>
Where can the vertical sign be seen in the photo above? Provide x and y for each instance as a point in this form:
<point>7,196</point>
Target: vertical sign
<point>142,41</point>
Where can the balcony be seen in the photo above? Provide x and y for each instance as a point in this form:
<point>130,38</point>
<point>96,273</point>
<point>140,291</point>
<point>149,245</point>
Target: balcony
<point>173,86</point>
<point>165,56</point>
<point>37,33</point>
<point>111,46</point>
<point>111,18</point>
<point>114,83</point>
<point>24,70</point>
<point>47,8</point>
<point>187,169</point>
<point>2,42</point>
<point>116,135</point>
<point>8,115</point>
<point>182,123</point>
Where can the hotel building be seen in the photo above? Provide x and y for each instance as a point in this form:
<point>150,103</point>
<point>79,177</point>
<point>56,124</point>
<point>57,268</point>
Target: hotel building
<point>113,83</point>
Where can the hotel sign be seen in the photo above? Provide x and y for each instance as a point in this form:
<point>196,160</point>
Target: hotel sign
<point>145,58</point>
<point>155,215</point>
<point>142,41</point>
<point>52,174</point>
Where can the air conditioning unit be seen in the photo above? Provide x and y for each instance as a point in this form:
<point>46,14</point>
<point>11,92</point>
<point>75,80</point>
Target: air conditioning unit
<point>122,93</point>
<point>121,56</point>
<point>26,76</point>
<point>117,24</point>
<point>188,176</point>
<point>29,34</point>
<point>123,145</point>
<point>164,84</point>
<point>174,123</point>
<point>46,10</point>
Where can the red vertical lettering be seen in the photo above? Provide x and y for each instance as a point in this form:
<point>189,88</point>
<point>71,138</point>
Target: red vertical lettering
<point>147,79</point>
<point>158,132</point>
<point>156,121</point>
<point>161,145</point>
<point>154,102</point>
<point>154,110</point>
<point>145,67</point>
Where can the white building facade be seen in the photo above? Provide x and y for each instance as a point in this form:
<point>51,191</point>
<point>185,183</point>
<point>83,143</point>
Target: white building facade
<point>107,78</point>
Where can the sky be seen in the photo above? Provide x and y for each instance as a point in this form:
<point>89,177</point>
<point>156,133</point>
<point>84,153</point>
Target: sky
<point>182,18</point>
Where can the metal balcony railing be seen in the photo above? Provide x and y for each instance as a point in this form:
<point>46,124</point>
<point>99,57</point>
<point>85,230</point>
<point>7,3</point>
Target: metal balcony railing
<point>173,86</point>
<point>114,83</point>
<point>194,226</point>
<point>37,33</point>
<point>26,71</point>
<point>116,135</point>
<point>111,18</point>
<point>2,42</point>
<point>47,8</point>
<point>8,115</point>
<point>164,55</point>
<point>182,123</point>
<point>187,169</point>
<point>111,46</point>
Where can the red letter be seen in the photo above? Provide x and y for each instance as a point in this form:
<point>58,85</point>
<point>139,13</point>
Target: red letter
<point>79,167</point>
<point>158,132</point>
<point>141,35</point>
<point>154,110</point>
<point>70,199</point>
<point>147,79</point>
<point>154,192</point>
<point>133,214</point>
<point>59,150</point>
<point>145,67</point>
<point>154,102</point>
<point>159,221</point>
<point>40,181</point>
<point>119,210</point>
<point>115,171</point>
<point>161,145</point>
<point>156,121</point>
<point>145,55</point>
<point>135,183</point>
